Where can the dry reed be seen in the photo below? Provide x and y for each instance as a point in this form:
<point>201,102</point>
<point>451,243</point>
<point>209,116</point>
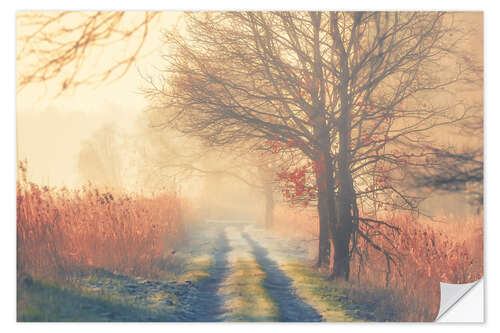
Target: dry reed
<point>61,231</point>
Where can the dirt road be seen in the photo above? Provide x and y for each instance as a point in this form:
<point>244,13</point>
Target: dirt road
<point>245,278</point>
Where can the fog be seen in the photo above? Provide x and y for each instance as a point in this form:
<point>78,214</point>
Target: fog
<point>51,139</point>
<point>54,141</point>
<point>61,136</point>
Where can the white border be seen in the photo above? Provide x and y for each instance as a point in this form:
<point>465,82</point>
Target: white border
<point>7,199</point>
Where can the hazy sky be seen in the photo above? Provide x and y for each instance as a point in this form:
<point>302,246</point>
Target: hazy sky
<point>51,142</point>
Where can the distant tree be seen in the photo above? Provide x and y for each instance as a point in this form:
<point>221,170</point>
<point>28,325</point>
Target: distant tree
<point>458,167</point>
<point>167,156</point>
<point>455,171</point>
<point>100,160</point>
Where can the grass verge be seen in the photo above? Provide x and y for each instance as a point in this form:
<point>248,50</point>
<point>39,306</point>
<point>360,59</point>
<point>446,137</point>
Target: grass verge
<point>43,302</point>
<point>327,298</point>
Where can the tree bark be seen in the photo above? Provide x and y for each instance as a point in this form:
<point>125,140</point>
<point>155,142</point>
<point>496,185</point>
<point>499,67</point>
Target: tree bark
<point>322,134</point>
<point>323,245</point>
<point>326,202</point>
<point>341,260</point>
<point>342,230</point>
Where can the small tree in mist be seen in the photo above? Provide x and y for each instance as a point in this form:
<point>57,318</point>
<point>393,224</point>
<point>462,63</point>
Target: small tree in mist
<point>349,90</point>
<point>164,160</point>
<point>100,160</point>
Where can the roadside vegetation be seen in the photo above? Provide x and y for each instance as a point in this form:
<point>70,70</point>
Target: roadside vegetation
<point>66,238</point>
<point>61,232</point>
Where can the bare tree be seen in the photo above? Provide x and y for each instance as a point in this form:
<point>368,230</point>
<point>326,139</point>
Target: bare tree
<point>346,88</point>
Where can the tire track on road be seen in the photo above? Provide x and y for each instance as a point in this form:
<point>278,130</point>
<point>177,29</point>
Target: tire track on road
<point>280,287</point>
<point>206,304</point>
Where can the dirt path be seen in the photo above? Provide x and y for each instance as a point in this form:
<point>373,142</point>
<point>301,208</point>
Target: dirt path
<point>228,272</point>
<point>244,283</point>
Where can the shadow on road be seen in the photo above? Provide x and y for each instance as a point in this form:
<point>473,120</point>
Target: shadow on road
<point>206,305</point>
<point>280,288</point>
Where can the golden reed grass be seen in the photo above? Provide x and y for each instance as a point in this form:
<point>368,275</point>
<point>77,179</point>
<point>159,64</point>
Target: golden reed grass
<point>60,232</point>
<point>427,252</point>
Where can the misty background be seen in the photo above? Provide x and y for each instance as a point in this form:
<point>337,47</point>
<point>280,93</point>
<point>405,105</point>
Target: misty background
<point>99,134</point>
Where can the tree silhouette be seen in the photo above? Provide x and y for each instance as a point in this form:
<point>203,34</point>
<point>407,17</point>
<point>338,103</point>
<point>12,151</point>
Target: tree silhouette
<point>100,161</point>
<point>348,90</point>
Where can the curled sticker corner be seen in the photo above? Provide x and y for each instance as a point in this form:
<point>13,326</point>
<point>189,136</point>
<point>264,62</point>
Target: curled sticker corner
<point>451,294</point>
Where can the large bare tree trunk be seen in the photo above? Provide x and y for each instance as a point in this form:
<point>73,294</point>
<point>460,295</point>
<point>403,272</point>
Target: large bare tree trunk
<point>341,231</point>
<point>324,178</point>
<point>343,228</point>
<point>326,201</point>
<point>341,255</point>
